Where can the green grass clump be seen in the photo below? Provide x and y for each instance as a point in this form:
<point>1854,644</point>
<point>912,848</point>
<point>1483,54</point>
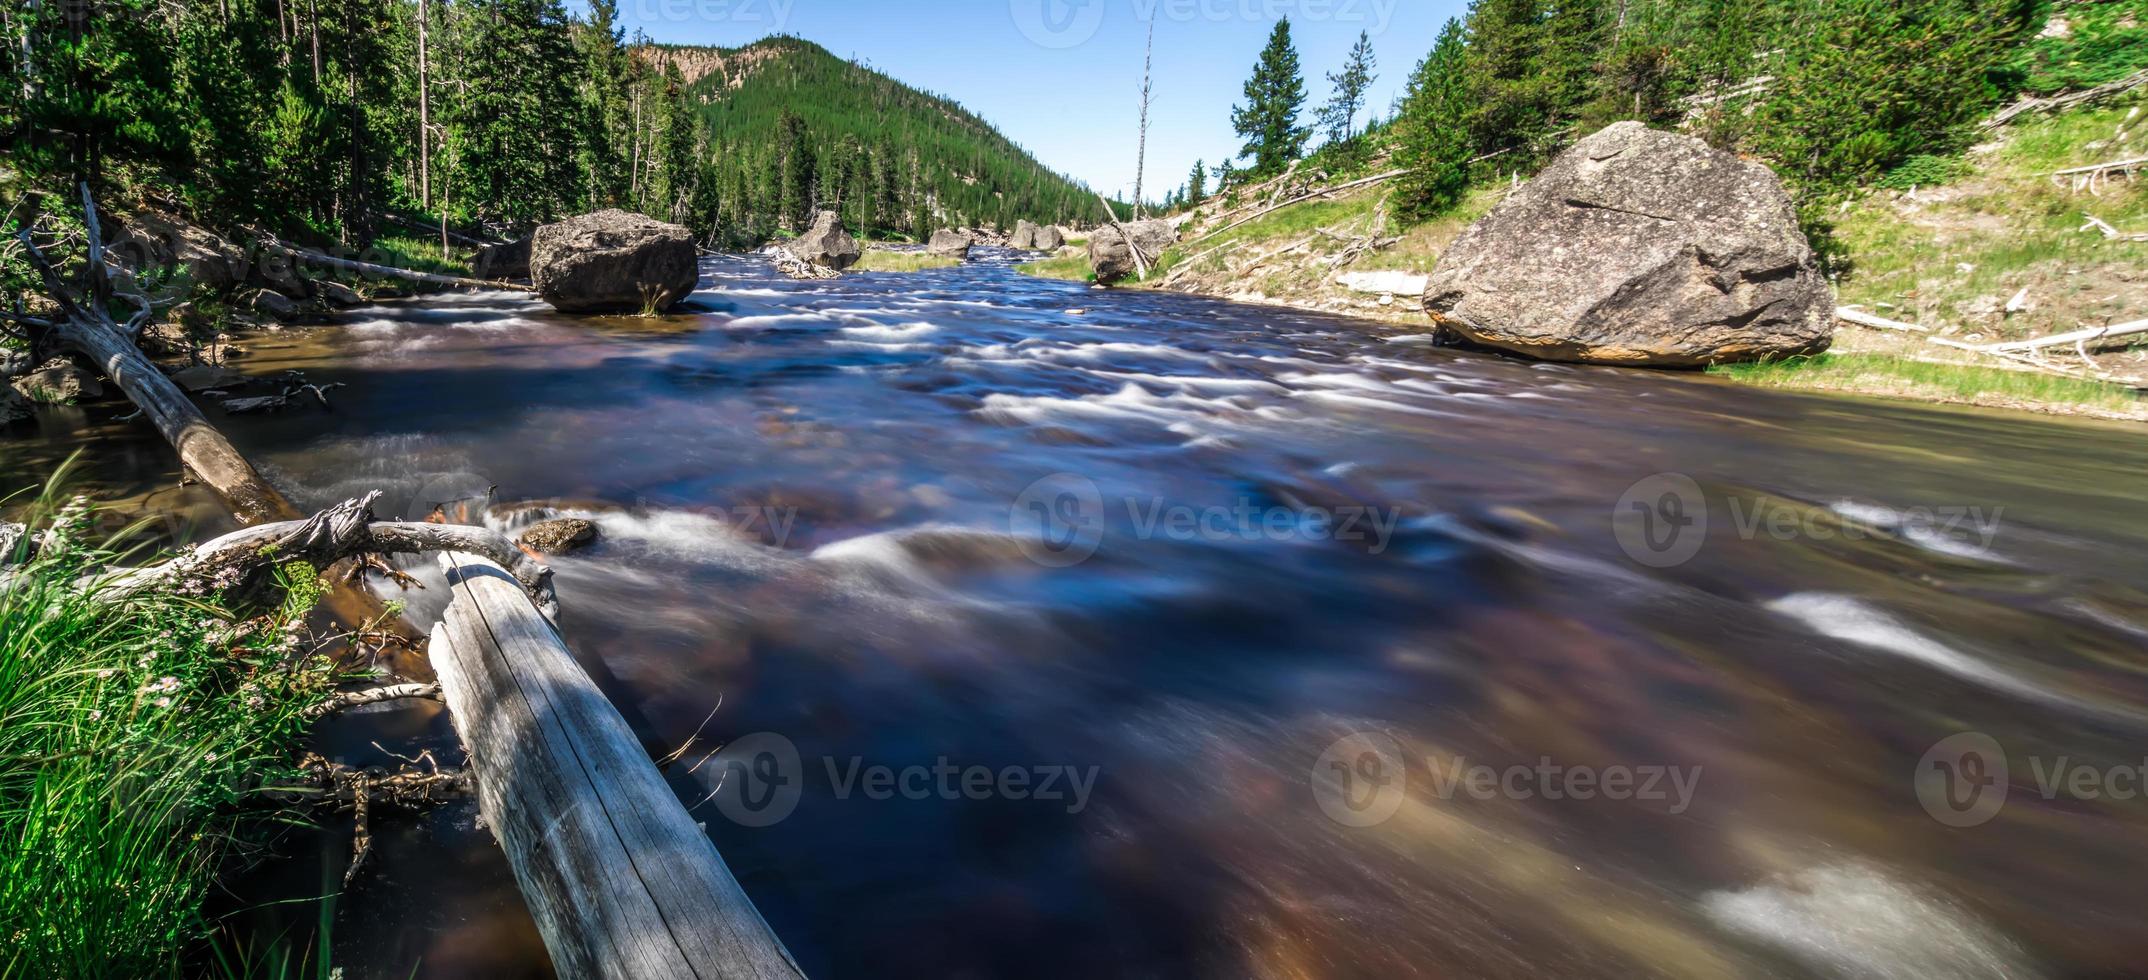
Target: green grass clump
<point>130,731</point>
<point>1881,374</point>
<point>1074,268</point>
<point>882,260</point>
<point>418,254</point>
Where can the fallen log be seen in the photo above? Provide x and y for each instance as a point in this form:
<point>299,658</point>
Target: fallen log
<point>346,700</point>
<point>389,271</point>
<point>2065,100</point>
<point>1851,314</point>
<point>84,327</point>
<point>2111,233</point>
<point>621,881</point>
<point>1133,248</point>
<point>2070,339</point>
<point>238,563</point>
<point>1323,192</point>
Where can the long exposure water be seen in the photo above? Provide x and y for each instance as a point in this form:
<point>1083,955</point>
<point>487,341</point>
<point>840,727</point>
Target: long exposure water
<point>1177,632</point>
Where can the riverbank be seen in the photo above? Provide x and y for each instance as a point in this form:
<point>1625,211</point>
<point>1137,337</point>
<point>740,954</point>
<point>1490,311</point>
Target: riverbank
<point>1996,245</point>
<point>135,735</point>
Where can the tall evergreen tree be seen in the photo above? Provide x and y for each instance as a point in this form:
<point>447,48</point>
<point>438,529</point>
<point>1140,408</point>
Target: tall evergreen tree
<point>1268,121</point>
<point>1433,130</point>
<point>1197,183</point>
<point>1338,118</point>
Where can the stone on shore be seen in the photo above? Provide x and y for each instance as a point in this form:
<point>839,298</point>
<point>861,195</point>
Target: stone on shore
<point>613,261</point>
<point>59,382</point>
<point>1637,247</point>
<point>1047,238</point>
<point>949,242</point>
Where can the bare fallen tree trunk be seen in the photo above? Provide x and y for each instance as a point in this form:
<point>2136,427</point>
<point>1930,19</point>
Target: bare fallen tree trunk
<point>1141,262</point>
<point>389,271</point>
<point>85,327</point>
<point>1323,192</point>
<point>1851,314</point>
<point>239,563</point>
<point>2070,339</point>
<point>2067,100</point>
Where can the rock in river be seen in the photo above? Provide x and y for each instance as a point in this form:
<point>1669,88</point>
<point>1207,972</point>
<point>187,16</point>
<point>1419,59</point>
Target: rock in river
<point>1638,247</point>
<point>949,242</point>
<point>826,244</point>
<point>613,261</point>
<point>562,535</point>
<point>510,260</point>
<point>59,382</point>
<point>1109,256</point>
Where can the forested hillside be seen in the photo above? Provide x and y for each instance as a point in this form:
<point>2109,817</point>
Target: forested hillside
<point>791,127</point>
<point>341,121</point>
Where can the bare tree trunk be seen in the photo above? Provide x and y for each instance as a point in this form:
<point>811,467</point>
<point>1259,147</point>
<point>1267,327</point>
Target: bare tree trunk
<point>313,29</point>
<point>1141,152</point>
<point>425,175</point>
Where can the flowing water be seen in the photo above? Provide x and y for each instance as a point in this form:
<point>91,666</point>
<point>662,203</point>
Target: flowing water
<point>1179,630</point>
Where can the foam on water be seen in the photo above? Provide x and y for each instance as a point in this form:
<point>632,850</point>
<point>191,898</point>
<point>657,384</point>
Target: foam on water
<point>1854,920</point>
<point>1853,621</point>
<point>906,331</point>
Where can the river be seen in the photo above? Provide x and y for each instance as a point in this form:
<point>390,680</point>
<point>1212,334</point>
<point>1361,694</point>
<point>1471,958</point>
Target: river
<point>1127,633</point>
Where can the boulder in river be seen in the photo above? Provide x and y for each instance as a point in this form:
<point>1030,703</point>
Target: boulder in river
<point>562,535</point>
<point>613,261</point>
<point>275,304</point>
<point>1113,261</point>
<point>1637,247</point>
<point>826,244</point>
<point>949,242</point>
<point>510,260</point>
<point>336,294</point>
<point>58,382</point>
<point>1047,238</point>
<point>1025,235</point>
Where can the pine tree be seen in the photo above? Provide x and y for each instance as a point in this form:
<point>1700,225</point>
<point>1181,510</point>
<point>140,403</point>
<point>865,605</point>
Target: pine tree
<point>1433,130</point>
<point>1338,118</point>
<point>1268,121</point>
<point>604,120</point>
<point>1197,183</point>
<point>1509,96</point>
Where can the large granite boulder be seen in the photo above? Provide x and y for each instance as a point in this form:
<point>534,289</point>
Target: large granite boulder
<point>1047,238</point>
<point>1637,247</point>
<point>949,242</point>
<point>1113,261</point>
<point>509,260</point>
<point>613,261</point>
<point>1025,235</point>
<point>826,244</point>
<point>151,241</point>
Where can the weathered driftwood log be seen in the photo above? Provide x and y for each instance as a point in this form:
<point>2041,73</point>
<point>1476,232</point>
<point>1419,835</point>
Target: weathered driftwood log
<point>84,326</point>
<point>239,564</point>
<point>621,881</point>
<point>346,700</point>
<point>389,271</point>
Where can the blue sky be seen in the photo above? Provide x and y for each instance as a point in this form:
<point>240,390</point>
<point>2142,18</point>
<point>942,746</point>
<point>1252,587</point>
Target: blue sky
<point>1063,77</point>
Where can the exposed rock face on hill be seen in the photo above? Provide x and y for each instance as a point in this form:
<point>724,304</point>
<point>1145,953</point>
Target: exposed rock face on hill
<point>1637,247</point>
<point>826,244</point>
<point>612,261</point>
<point>1109,256</point>
<point>949,242</point>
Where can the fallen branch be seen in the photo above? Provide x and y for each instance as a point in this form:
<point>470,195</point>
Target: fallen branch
<point>2069,339</point>
<point>239,563</point>
<point>1376,178</point>
<point>389,271</point>
<point>2112,233</point>
<point>346,700</point>
<point>2098,168</point>
<point>1851,314</point>
<point>2066,100</point>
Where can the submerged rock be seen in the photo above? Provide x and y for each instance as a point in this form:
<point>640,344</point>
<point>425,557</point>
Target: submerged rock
<point>1638,247</point>
<point>561,535</point>
<point>1113,261</point>
<point>58,382</point>
<point>949,242</point>
<point>613,261</point>
<point>826,244</point>
<point>502,261</point>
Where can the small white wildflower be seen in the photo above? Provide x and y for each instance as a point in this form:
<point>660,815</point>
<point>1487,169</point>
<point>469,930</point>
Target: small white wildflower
<point>162,702</point>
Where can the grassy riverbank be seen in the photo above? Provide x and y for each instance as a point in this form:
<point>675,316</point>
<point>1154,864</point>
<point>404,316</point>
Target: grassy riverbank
<point>884,260</point>
<point>133,735</point>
